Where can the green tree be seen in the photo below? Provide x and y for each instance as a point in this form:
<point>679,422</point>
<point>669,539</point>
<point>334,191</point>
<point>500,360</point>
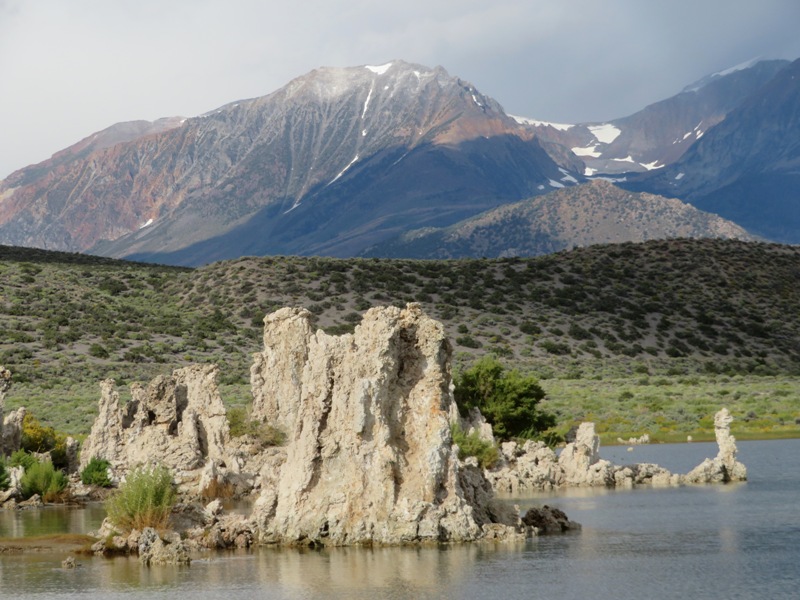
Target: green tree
<point>508,399</point>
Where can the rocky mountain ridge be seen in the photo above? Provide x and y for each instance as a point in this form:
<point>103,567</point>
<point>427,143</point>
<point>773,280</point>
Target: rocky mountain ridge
<point>747,168</point>
<point>293,172</point>
<point>342,160</point>
<point>662,132</point>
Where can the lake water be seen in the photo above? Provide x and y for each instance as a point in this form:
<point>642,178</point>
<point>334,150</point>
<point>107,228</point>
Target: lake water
<point>733,541</point>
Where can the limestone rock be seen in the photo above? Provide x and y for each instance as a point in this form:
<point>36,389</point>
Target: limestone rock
<point>535,467</point>
<point>634,441</point>
<point>476,423</point>
<point>532,466</point>
<point>178,421</point>
<point>724,467</point>
<point>12,430</point>
<point>581,462</point>
<point>369,455</point>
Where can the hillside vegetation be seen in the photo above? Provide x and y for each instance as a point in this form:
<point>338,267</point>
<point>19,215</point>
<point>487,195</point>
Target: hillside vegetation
<point>649,337</point>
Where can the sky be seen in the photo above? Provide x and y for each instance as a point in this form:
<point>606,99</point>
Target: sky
<point>69,68</point>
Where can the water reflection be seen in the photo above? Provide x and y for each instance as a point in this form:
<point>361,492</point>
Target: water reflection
<point>51,520</point>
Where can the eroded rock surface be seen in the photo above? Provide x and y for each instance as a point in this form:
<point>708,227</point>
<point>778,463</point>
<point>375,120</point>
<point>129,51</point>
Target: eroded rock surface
<point>178,421</point>
<point>369,455</point>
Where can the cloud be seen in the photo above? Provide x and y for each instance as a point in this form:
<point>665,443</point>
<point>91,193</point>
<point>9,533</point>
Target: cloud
<point>72,68</point>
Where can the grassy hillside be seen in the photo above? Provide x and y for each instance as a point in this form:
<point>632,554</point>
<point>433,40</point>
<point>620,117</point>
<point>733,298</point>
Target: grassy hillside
<point>639,337</point>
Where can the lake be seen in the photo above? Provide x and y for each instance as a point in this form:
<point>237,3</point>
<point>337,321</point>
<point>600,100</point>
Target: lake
<point>732,541</point>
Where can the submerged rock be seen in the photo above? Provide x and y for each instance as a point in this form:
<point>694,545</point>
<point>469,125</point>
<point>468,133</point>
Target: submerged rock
<point>155,551</point>
<point>369,456</point>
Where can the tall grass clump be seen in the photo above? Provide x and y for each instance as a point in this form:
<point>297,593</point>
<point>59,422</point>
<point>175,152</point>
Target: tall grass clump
<point>20,458</point>
<point>145,499</point>
<point>44,479</point>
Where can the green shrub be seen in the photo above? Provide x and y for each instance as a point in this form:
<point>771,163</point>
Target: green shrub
<point>145,499</point>
<point>96,473</point>
<point>507,399</point>
<point>44,479</point>
<point>5,480</point>
<point>98,351</point>
<point>473,445</point>
<point>42,438</point>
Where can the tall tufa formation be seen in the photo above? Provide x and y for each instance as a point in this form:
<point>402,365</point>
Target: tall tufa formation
<point>724,467</point>
<point>369,456</point>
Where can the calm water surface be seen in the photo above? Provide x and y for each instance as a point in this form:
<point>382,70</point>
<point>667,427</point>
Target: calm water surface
<point>734,541</point>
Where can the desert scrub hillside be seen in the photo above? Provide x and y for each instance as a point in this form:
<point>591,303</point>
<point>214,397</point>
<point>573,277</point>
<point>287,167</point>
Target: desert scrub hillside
<point>707,309</point>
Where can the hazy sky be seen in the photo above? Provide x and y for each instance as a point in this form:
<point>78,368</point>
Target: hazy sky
<point>69,68</point>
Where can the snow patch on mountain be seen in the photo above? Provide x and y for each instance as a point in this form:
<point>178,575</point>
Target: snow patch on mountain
<point>380,69</point>
<point>605,133</point>
<point>587,151</point>
<point>527,121</point>
<point>567,177</point>
<point>343,171</point>
<point>697,85</point>
<point>366,102</point>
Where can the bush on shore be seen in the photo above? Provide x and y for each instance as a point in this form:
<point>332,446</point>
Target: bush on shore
<point>44,479</point>
<point>145,499</point>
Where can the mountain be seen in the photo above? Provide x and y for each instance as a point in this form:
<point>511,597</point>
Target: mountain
<point>660,133</point>
<point>747,168</point>
<point>334,162</point>
<point>593,213</point>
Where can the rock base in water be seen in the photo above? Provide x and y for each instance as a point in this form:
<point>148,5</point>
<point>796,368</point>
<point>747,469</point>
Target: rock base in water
<point>534,466</point>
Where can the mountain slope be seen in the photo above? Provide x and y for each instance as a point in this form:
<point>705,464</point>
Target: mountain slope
<point>747,168</point>
<point>660,133</point>
<point>593,213</point>
<point>321,165</point>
